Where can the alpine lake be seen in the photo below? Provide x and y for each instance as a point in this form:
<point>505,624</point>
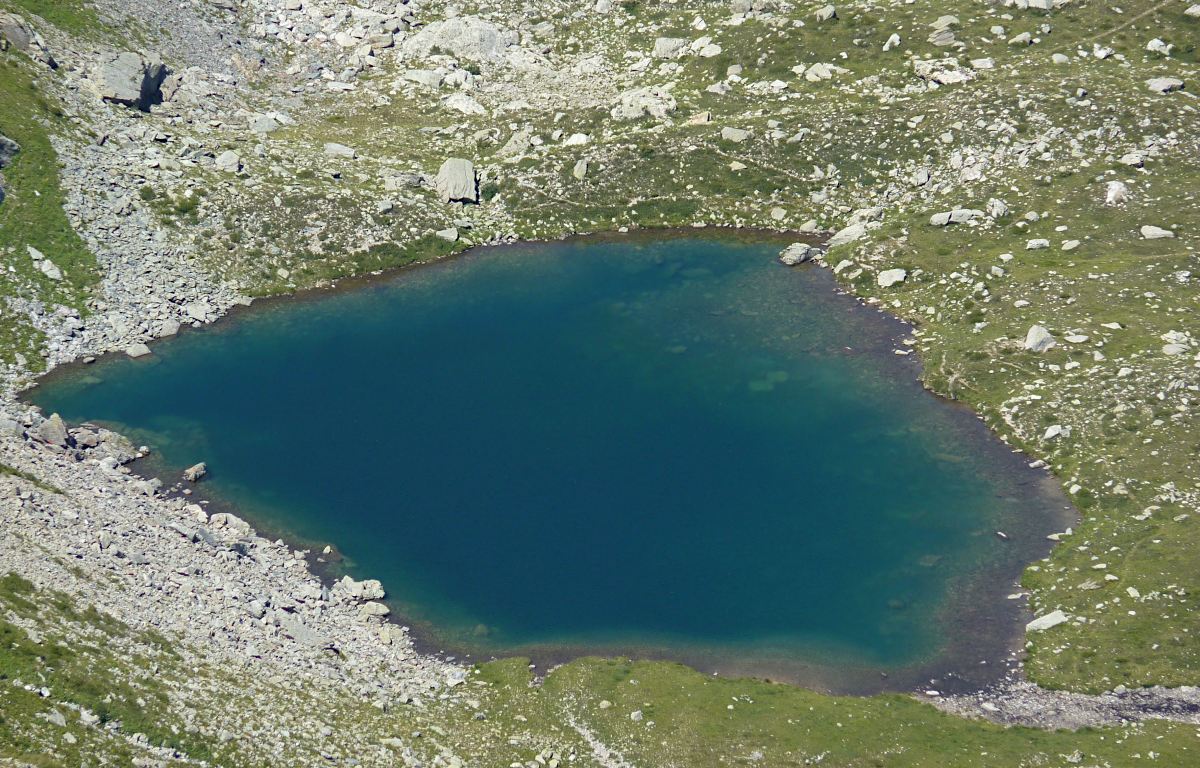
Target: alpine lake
<point>664,446</point>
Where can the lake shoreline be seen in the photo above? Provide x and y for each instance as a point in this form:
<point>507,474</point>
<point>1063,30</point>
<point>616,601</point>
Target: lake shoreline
<point>956,677</point>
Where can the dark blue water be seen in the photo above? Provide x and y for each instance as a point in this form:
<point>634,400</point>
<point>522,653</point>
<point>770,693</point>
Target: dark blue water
<point>614,444</point>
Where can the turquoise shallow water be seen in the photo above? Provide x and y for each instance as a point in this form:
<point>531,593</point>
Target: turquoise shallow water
<point>597,445</point>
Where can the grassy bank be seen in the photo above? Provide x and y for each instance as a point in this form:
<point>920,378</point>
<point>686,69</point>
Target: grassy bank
<point>32,215</point>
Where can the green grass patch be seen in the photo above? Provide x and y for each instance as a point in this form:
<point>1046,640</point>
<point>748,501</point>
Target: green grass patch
<point>74,16</point>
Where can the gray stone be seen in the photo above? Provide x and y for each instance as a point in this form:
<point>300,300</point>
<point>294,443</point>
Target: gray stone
<point>1150,232</point>
<point>799,253</point>
<point>229,162</point>
<point>14,33</point>
<point>456,181</point>
<point>1041,623</point>
<point>655,101</point>
<point>1038,339</point>
<point>848,235</point>
<point>8,150</point>
<point>461,102</point>
<point>1164,84</point>
<point>956,216</point>
<point>467,37</point>
<point>137,350</point>
<point>193,473</point>
<point>736,135</point>
<point>262,123</point>
<point>373,610</point>
<point>826,13</point>
<point>367,589</point>
<point>580,170</point>
<point>53,431</point>
<point>294,627</point>
<point>333,149</point>
<point>430,78</point>
<point>668,47</point>
<point>127,78</point>
<point>889,277</point>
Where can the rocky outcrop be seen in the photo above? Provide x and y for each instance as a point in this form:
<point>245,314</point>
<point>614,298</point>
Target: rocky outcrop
<point>466,37</point>
<point>8,149</point>
<point>15,34</point>
<point>129,79</point>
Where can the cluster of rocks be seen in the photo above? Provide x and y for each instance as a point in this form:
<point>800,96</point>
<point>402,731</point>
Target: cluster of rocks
<point>225,596</point>
<point>1021,703</point>
<point>8,150</point>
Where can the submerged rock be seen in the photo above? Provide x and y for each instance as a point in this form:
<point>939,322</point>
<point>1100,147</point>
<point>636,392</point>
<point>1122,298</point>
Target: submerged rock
<point>799,253</point>
<point>193,473</point>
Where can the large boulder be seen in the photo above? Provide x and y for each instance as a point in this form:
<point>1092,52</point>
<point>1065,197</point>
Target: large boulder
<point>8,150</point>
<point>668,47</point>
<point>229,162</point>
<point>465,37</point>
<point>1038,339</point>
<point>13,32</point>
<point>456,181</point>
<point>129,79</point>
<point>1151,232</point>
<point>53,431</point>
<point>847,235</point>
<point>799,253</point>
<point>1164,84</point>
<point>655,101</point>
